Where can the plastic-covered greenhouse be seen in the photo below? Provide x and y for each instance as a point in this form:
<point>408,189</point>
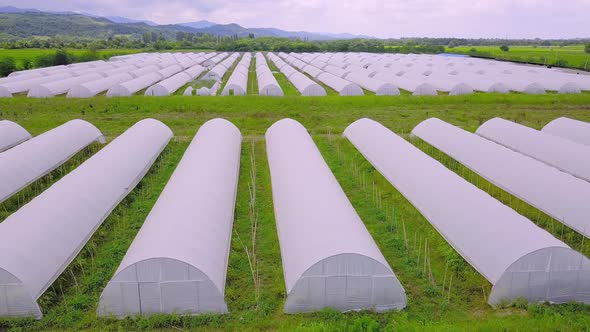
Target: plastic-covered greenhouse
<point>42,238</point>
<point>131,87</point>
<point>558,194</point>
<point>11,134</point>
<point>329,257</point>
<point>517,257</point>
<point>568,156</point>
<point>267,83</point>
<point>178,260</point>
<point>573,130</point>
<point>29,161</point>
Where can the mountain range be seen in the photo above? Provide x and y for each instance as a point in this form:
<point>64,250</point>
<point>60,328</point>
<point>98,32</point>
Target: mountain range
<point>22,23</point>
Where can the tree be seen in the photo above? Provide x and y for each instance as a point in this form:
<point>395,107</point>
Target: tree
<point>505,48</point>
<point>62,58</point>
<point>452,44</point>
<point>587,48</point>
<point>7,66</point>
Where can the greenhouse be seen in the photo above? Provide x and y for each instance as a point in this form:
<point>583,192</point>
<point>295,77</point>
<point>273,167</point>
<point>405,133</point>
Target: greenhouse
<point>342,86</point>
<point>35,158</point>
<point>42,238</point>
<point>93,88</point>
<point>59,87</point>
<point>558,194</point>
<point>132,87</point>
<point>488,234</point>
<point>12,134</point>
<point>237,84</point>
<point>380,88</point>
<point>329,258</point>
<point>267,83</point>
<point>563,154</point>
<point>178,260</point>
<point>570,129</point>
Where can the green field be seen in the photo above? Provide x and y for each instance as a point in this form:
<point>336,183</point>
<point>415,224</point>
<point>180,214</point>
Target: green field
<point>434,303</point>
<point>19,55</point>
<point>572,56</point>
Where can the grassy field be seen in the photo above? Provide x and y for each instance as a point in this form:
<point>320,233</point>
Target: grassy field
<point>572,56</point>
<point>19,55</point>
<point>434,303</point>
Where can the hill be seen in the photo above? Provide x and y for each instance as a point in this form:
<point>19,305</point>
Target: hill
<point>18,23</point>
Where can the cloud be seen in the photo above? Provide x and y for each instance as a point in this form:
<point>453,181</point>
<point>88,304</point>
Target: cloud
<point>381,18</point>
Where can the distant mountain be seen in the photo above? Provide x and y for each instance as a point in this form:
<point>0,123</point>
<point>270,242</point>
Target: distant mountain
<point>13,10</point>
<point>198,24</point>
<point>24,23</point>
<point>120,19</point>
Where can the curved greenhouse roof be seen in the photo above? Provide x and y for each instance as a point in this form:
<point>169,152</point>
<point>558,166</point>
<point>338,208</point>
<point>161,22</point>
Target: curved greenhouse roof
<point>558,194</point>
<point>41,239</point>
<point>565,155</point>
<point>12,134</point>
<point>517,257</point>
<point>29,161</point>
<point>329,257</point>
<point>573,130</point>
<point>178,260</point>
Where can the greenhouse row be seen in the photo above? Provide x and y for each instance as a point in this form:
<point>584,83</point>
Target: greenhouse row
<point>179,259</point>
<point>347,74</point>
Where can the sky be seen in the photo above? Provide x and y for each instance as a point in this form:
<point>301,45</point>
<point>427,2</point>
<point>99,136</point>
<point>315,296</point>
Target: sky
<point>379,18</point>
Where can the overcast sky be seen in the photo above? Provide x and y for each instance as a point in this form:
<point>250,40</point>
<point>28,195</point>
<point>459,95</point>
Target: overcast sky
<point>380,18</point>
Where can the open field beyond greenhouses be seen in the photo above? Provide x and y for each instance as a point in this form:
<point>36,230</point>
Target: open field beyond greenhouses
<point>453,297</point>
<point>31,54</point>
<point>571,56</point>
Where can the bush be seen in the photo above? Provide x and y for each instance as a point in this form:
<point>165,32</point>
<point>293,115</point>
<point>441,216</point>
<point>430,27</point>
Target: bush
<point>7,66</point>
<point>504,48</point>
<point>587,48</point>
<point>60,57</point>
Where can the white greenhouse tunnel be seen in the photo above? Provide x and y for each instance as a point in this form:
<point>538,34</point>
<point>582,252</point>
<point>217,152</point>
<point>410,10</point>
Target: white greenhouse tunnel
<point>570,129</point>
<point>42,238</point>
<point>29,161</point>
<point>560,195</point>
<point>11,135</point>
<point>563,154</point>
<point>488,234</point>
<point>329,258</point>
<point>178,260</point>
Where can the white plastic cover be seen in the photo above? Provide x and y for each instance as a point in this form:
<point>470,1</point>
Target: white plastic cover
<point>329,257</point>
<point>344,87</point>
<point>40,240</point>
<point>558,194</point>
<point>568,156</point>
<point>573,130</point>
<point>267,83</point>
<point>11,134</point>
<point>169,85</point>
<point>92,88</point>
<point>47,90</point>
<point>135,85</point>
<point>29,161</point>
<point>516,256</point>
<point>178,260</point>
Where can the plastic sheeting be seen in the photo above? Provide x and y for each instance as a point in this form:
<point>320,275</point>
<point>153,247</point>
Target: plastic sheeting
<point>342,86</point>
<point>329,257</point>
<point>558,194</point>
<point>237,84</point>
<point>93,88</point>
<point>567,156</point>
<point>29,161</point>
<point>169,85</point>
<point>11,134</point>
<point>487,233</point>
<point>267,83</point>
<point>380,88</point>
<point>573,130</point>
<point>59,87</point>
<point>129,88</point>
<point>40,240</point>
<point>178,260</point>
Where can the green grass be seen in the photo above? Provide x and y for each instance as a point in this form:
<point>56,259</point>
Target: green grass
<point>567,56</point>
<point>252,79</point>
<point>288,88</point>
<point>19,55</point>
<point>434,303</point>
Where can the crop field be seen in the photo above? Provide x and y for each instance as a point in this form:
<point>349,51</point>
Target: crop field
<point>444,292</point>
<point>567,56</point>
<point>20,55</point>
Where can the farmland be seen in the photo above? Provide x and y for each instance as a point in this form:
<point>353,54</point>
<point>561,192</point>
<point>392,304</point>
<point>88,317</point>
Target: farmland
<point>572,56</point>
<point>437,304</point>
